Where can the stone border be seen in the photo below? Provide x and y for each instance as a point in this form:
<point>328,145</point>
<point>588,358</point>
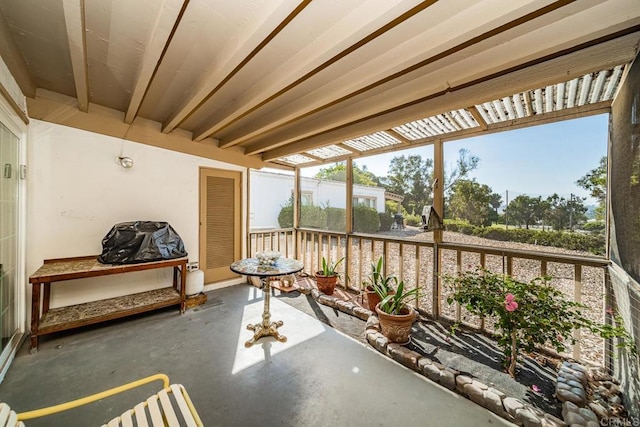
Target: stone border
<point>571,385</point>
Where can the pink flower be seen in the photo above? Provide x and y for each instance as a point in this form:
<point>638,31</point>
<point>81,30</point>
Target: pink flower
<point>610,310</point>
<point>536,388</point>
<point>509,303</point>
<point>559,337</point>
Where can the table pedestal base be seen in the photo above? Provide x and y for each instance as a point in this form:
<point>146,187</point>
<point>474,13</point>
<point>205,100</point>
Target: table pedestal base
<point>260,330</point>
<point>267,328</point>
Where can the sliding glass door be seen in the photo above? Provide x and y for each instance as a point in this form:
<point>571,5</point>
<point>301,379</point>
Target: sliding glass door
<point>9,175</point>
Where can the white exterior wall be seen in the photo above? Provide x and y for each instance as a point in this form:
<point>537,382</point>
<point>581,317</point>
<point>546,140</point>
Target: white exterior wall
<point>77,192</point>
<point>270,191</point>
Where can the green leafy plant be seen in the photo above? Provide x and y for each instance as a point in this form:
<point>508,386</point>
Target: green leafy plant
<point>378,282</point>
<point>395,302</point>
<point>529,314</point>
<point>329,269</point>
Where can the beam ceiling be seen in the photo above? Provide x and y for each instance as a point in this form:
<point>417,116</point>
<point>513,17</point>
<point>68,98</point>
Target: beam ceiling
<point>308,81</point>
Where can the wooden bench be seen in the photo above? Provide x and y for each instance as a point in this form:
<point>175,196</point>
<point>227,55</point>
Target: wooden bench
<point>48,320</point>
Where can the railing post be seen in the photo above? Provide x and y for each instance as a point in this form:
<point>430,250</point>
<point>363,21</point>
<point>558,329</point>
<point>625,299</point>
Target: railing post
<point>349,219</point>
<point>607,303</point>
<point>577,296</point>
<point>458,271</point>
<point>436,281</point>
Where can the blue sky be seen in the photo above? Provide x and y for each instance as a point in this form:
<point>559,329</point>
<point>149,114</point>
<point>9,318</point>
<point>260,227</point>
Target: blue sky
<point>537,160</point>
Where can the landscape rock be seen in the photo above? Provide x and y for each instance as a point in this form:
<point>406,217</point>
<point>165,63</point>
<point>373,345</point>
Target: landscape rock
<point>361,313</point>
<point>432,372</point>
<point>568,407</point>
<point>511,405</point>
<point>373,323</point>
<point>475,393</point>
<point>587,414</point>
<point>422,362</point>
<point>327,300</point>
<point>599,410</point>
<point>493,402</point>
<point>448,378</point>
<point>551,421</point>
<point>461,380</point>
<point>381,343</point>
<point>403,355</point>
<point>500,394</point>
<point>528,418</point>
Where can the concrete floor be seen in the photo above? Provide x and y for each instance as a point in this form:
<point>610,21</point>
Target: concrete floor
<point>319,377</point>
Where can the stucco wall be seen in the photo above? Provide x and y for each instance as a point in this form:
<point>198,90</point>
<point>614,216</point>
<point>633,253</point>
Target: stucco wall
<point>77,192</point>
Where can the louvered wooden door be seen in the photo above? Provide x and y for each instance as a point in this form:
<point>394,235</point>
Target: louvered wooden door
<point>220,220</point>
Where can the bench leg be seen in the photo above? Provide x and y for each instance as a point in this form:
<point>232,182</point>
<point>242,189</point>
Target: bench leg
<point>35,316</point>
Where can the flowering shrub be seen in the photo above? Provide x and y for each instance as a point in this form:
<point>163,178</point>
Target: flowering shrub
<point>528,314</point>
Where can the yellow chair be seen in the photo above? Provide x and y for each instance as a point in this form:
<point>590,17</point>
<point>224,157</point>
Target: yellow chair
<point>160,408</point>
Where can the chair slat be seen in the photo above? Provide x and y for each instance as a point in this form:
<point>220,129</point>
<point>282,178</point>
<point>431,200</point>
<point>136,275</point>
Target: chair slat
<point>154,411</point>
<point>141,415</point>
<point>178,391</point>
<point>126,420</point>
<point>12,421</point>
<point>114,422</point>
<point>167,409</point>
<point>4,414</point>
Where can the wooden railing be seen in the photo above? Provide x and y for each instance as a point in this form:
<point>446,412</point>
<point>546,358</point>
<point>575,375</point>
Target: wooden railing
<point>422,263</point>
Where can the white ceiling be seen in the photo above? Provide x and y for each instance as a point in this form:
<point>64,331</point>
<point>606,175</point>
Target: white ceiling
<point>279,79</point>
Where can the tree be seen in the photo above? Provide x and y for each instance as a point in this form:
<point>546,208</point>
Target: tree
<point>412,177</point>
<point>525,210</point>
<point>562,213</point>
<point>338,172</point>
<point>472,201</point>
<point>464,165</point>
<point>595,182</point>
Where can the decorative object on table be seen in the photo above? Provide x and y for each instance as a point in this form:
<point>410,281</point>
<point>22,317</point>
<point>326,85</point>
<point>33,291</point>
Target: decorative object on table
<point>141,241</point>
<point>396,317</point>
<point>378,284</point>
<point>268,258</point>
<point>328,276</point>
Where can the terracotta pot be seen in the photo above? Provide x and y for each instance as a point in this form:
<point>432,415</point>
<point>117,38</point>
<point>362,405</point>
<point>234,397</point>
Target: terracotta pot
<point>397,328</point>
<point>372,299</point>
<point>326,284</point>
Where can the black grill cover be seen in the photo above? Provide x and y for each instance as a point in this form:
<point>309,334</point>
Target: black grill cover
<point>141,241</point>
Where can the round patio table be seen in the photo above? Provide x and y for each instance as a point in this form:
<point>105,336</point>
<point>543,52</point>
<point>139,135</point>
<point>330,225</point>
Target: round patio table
<point>251,267</point>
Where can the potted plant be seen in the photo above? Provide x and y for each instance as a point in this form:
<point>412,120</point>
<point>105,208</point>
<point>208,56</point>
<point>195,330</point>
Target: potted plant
<point>327,277</point>
<point>377,284</point>
<point>396,317</point>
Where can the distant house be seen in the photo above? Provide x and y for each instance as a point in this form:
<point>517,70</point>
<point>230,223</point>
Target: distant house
<point>270,191</point>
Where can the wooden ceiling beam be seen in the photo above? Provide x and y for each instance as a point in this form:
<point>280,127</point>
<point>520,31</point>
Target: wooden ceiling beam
<point>234,57</point>
<point>261,139</point>
<point>74,22</point>
<point>164,27</point>
<point>476,115</point>
<point>538,74</point>
<point>262,100</point>
<point>13,59</point>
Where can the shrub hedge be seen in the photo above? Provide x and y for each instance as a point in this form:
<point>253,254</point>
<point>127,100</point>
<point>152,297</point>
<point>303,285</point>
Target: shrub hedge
<point>593,243</point>
<point>385,221</point>
<point>365,219</point>
<point>285,217</point>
